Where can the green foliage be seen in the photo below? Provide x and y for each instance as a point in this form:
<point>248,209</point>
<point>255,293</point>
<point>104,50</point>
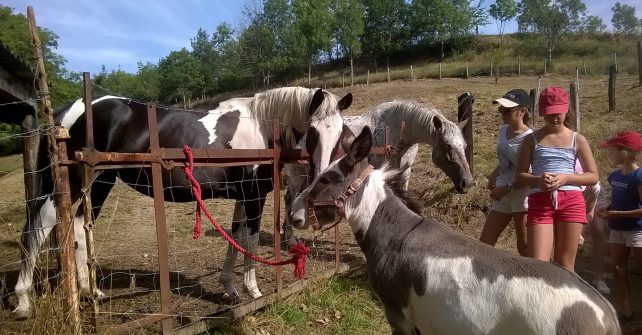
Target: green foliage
<point>624,20</point>
<point>181,76</point>
<point>312,28</point>
<point>503,11</point>
<point>593,25</point>
<point>385,29</point>
<point>549,21</point>
<point>348,25</point>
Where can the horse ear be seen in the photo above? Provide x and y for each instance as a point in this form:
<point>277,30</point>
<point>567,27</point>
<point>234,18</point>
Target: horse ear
<point>437,123</point>
<point>462,124</point>
<point>360,148</point>
<point>347,138</point>
<point>316,101</point>
<point>345,102</point>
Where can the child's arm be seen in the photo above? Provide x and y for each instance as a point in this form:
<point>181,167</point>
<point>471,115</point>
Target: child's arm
<point>522,176</point>
<point>492,178</point>
<point>635,213</point>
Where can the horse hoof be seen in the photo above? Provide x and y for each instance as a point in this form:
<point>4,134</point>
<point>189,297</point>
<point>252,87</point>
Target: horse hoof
<point>230,295</point>
<point>254,292</point>
<point>21,314</point>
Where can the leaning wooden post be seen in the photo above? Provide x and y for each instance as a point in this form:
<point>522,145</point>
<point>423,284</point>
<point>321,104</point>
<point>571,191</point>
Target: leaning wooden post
<point>533,96</point>
<point>87,180</point>
<point>60,173</point>
<point>575,104</point>
<point>640,62</point>
<point>465,111</point>
<point>612,79</point>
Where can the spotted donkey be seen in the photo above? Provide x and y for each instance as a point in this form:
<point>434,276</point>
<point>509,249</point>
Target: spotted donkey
<point>433,280</point>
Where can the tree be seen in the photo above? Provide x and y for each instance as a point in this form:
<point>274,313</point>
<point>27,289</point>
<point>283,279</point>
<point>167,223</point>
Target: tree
<point>479,16</point>
<point>593,24</point>
<point>348,27</point>
<point>312,29</point>
<point>385,28</point>
<point>441,20</point>
<point>624,20</point>
<point>550,20</point>
<point>180,76</point>
<point>203,52</point>
<point>503,11</point>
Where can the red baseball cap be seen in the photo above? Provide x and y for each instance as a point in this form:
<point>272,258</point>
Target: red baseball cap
<point>627,139</point>
<point>553,100</point>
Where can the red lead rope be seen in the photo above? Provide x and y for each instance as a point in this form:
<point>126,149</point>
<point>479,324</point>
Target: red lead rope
<point>298,251</point>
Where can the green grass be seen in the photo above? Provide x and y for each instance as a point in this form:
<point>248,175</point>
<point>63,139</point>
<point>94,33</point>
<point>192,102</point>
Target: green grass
<point>343,304</point>
<point>9,164</point>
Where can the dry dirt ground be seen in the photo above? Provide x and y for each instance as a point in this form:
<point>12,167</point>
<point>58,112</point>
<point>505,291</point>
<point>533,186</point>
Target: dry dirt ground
<point>125,232</point>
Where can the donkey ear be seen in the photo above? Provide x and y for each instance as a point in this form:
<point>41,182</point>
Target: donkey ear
<point>347,138</point>
<point>345,102</point>
<point>462,124</point>
<point>316,101</point>
<point>360,148</point>
<point>437,123</point>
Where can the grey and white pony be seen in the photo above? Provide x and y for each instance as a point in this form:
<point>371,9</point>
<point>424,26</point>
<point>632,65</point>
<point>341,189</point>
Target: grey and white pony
<point>120,125</point>
<point>423,125</point>
<point>433,280</point>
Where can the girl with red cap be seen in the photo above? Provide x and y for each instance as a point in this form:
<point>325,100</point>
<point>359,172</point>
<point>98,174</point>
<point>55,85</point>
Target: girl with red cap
<point>624,214</point>
<point>556,209</point>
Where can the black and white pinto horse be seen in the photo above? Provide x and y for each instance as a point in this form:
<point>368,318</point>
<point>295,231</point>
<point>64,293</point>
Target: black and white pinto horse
<point>120,125</point>
<point>433,280</point>
<point>423,125</point>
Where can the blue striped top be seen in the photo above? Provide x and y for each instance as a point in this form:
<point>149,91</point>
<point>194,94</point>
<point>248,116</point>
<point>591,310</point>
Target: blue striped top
<point>556,160</point>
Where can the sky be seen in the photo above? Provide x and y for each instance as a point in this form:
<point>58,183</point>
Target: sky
<point>120,33</point>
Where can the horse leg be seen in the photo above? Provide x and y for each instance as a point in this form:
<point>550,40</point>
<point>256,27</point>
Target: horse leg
<point>99,192</point>
<point>227,274</point>
<point>250,231</point>
<point>407,158</point>
<point>36,230</point>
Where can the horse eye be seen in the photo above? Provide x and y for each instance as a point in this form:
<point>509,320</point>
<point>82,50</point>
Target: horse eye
<point>324,180</point>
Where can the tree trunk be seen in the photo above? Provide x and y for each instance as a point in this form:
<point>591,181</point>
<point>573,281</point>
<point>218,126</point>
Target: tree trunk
<point>442,51</point>
<point>351,72</point>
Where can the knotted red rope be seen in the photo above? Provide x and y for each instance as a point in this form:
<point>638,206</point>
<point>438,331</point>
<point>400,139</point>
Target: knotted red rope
<point>299,251</point>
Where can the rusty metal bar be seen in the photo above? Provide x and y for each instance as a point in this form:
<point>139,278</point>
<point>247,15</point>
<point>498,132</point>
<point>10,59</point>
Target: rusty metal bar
<point>276,181</point>
<point>161,224</point>
<point>87,180</point>
<point>65,234</point>
<point>89,113</point>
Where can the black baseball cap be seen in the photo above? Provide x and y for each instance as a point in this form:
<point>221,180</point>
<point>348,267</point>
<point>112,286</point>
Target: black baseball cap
<point>514,98</point>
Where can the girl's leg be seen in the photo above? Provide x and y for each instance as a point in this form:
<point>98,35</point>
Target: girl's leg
<point>520,232</point>
<point>619,256</point>
<point>539,239</point>
<point>567,237</point>
<point>598,247</point>
<point>495,224</point>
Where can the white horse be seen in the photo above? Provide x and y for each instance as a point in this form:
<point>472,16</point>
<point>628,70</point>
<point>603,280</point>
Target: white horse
<point>433,280</point>
<point>423,125</point>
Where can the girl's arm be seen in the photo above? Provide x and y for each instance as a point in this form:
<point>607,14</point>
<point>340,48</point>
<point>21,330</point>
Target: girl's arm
<point>492,178</point>
<point>584,154</point>
<point>522,176</point>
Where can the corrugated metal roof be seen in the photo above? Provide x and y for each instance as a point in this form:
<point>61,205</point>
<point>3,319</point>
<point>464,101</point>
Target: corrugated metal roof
<point>15,65</point>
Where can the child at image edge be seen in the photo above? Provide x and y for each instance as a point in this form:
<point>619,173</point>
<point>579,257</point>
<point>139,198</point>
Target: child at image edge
<point>624,214</point>
<point>556,209</point>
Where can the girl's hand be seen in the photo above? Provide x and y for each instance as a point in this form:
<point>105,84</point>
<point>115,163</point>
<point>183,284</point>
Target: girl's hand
<point>491,182</point>
<point>552,181</point>
<point>499,192</point>
<point>608,214</point>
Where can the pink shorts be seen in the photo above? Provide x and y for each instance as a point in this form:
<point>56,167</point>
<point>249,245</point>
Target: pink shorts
<point>570,208</point>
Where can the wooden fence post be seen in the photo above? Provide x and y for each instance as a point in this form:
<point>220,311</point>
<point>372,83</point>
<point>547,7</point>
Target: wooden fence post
<point>544,66</point>
<point>612,79</point>
<point>351,73</point>
<point>343,79</point>
<point>491,67</point>
<point>412,73</point>
<point>60,173</point>
<point>640,62</point>
<point>617,68</point>
<point>368,78</point>
<point>519,66</point>
<point>465,111</point>
<point>575,103</point>
<point>584,64</point>
<point>388,74</point>
<point>467,74</point>
<point>439,70</point>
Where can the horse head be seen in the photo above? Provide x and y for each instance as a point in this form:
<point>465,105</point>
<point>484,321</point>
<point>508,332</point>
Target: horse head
<point>449,153</point>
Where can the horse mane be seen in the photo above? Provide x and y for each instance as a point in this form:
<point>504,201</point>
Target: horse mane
<point>393,180</point>
<point>421,117</point>
<point>290,106</point>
